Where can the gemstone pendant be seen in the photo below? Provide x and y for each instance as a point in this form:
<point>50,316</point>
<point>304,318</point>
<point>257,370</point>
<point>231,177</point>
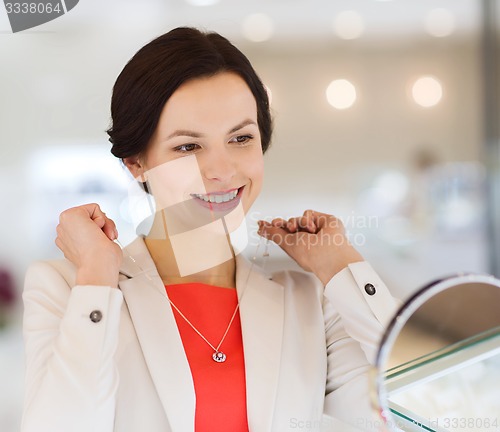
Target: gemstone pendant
<point>219,357</point>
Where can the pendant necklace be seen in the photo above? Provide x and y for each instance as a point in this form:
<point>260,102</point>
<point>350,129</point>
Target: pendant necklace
<point>218,356</point>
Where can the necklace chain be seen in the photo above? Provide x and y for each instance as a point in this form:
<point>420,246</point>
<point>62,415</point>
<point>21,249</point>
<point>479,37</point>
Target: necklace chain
<point>217,356</point>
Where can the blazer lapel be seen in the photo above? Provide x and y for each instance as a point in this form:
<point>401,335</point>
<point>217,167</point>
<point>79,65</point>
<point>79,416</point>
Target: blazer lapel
<point>262,319</point>
<point>156,329</point>
<point>262,315</point>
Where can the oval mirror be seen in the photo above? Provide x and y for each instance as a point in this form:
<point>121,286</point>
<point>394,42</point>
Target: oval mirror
<point>438,364</point>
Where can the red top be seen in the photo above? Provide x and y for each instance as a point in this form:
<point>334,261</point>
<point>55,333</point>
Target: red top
<point>220,387</point>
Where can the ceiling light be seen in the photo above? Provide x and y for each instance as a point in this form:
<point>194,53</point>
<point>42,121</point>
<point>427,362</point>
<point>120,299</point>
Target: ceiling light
<point>258,27</point>
<point>202,2</point>
<point>439,22</point>
<point>348,25</point>
<point>427,91</point>
<point>341,94</point>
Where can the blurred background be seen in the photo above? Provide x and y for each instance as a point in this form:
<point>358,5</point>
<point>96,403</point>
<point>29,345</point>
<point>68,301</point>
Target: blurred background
<point>386,115</point>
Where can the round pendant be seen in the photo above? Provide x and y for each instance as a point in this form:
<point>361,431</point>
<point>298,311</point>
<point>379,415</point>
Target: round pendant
<point>219,357</point>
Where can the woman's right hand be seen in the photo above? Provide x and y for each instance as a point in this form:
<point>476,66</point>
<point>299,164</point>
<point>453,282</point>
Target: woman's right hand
<point>86,237</point>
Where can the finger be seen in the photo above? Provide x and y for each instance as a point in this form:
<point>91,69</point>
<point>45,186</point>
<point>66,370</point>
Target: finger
<point>270,232</point>
<point>292,224</point>
<point>96,214</point>
<point>109,229</point>
<point>265,225</point>
<point>60,245</point>
<point>323,220</point>
<point>313,218</point>
<point>91,211</point>
<point>302,223</point>
<point>99,217</point>
<point>59,235</point>
<point>278,222</point>
<point>290,243</point>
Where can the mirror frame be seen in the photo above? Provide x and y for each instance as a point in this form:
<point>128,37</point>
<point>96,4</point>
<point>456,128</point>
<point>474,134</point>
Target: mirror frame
<point>402,315</point>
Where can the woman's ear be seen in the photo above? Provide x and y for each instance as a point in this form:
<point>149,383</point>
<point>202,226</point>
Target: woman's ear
<point>135,166</point>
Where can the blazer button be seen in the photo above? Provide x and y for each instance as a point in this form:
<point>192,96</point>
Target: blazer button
<point>370,289</point>
<point>95,316</point>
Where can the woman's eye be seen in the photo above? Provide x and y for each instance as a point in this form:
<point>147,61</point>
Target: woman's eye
<point>242,139</point>
<point>186,148</point>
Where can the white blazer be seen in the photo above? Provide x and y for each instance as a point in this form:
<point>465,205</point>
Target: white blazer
<point>307,349</point>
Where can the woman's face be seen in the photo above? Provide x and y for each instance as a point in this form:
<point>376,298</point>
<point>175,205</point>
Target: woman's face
<point>206,150</point>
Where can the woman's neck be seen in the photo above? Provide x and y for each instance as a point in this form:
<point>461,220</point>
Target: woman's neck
<point>208,260</point>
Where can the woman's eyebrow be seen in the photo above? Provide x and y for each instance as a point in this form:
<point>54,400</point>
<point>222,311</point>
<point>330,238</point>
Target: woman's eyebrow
<point>242,125</point>
<point>184,132</point>
<point>193,134</point>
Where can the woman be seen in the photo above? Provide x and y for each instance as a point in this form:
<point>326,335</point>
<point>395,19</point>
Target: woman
<point>178,332</point>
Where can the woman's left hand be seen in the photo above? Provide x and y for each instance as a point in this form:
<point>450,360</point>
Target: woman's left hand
<point>316,241</point>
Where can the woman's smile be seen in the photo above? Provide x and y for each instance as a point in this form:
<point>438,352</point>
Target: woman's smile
<point>221,200</point>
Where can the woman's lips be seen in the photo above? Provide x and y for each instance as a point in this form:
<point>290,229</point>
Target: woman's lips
<point>228,199</point>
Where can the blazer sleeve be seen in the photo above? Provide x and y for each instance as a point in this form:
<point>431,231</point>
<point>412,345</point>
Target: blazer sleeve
<point>70,335</point>
<point>357,308</point>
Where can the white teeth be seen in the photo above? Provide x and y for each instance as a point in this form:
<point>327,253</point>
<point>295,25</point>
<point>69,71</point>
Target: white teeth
<point>218,198</point>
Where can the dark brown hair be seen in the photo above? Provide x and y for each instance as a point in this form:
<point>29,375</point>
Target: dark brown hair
<point>158,69</point>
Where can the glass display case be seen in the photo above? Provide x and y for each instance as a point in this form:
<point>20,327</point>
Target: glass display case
<point>456,388</point>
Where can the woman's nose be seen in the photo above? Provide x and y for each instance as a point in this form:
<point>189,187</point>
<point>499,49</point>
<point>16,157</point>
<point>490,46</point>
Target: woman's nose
<point>219,165</point>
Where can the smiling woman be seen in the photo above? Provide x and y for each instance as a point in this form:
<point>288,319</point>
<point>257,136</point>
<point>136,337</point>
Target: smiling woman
<point>214,118</point>
<point>177,331</point>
